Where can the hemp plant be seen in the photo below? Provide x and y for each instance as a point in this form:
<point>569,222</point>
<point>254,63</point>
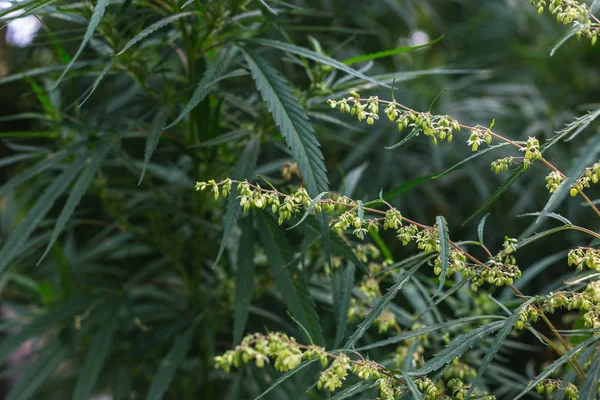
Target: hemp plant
<point>418,370</point>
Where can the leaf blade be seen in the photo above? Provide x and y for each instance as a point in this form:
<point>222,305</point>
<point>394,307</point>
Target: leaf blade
<point>444,237</point>
<point>244,280</point>
<point>94,22</point>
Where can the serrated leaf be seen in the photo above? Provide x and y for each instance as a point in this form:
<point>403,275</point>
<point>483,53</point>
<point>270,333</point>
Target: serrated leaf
<point>457,348</point>
<point>153,137</point>
<point>292,120</point>
<point>36,214</point>
<point>481,226</point>
<point>243,170</point>
<point>309,209</point>
<point>357,388</point>
<point>491,351</point>
<point>472,156</point>
<point>342,283</point>
<point>444,237</point>
<point>588,156</point>
<point>42,165</point>
<point>291,286</point>
<point>507,183</point>
<point>215,69</point>
<point>36,374</point>
<point>78,190</point>
<point>96,83</point>
<point>286,376</point>
<point>168,366</point>
<point>406,139</point>
<point>547,214</point>
<point>412,388</point>
<point>244,279</point>
<point>154,27</point>
<point>381,305</point>
<point>557,364</point>
<point>391,52</point>
<point>94,21</point>
<point>589,390</point>
<point>572,32</point>
<point>96,357</point>
<point>320,58</point>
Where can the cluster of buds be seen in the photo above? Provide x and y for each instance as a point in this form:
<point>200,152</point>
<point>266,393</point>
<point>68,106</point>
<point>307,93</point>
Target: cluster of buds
<point>425,385</point>
<point>587,255</point>
<point>479,135</point>
<point>532,152</point>
<point>260,348</point>
<point>460,390</point>
<point>390,390</point>
<point>502,164</point>
<point>570,11</point>
<point>548,386</point>
<point>553,181</point>
<point>333,377</point>
<point>436,127</point>
<point>586,301</point>
<point>225,189</point>
<point>407,234</point>
<point>590,175</point>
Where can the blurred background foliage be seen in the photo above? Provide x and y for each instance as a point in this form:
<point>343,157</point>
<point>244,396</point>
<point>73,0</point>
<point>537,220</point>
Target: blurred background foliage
<point>127,300</point>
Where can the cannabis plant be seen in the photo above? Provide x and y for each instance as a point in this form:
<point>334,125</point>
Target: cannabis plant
<point>244,199</point>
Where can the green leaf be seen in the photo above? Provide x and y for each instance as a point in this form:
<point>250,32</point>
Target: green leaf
<point>472,156</point>
<point>493,349</point>
<point>309,209</point>
<point>94,21</point>
<point>36,214</point>
<point>36,374</point>
<point>291,285</point>
<point>381,305</point>
<point>244,169</point>
<point>457,348</point>
<point>406,139</point>
<point>320,58</point>
<point>227,137</point>
<point>589,390</point>
<point>357,388</point>
<point>595,6</point>
<point>292,120</point>
<point>244,279</point>
<point>152,28</point>
<point>96,83</point>
<point>99,351</point>
<point>557,364</point>
<point>588,156</point>
<point>481,226</point>
<point>153,137</point>
<point>78,190</point>
<point>572,32</point>
<point>507,183</point>
<point>51,160</point>
<point>342,283</point>
<point>547,214</point>
<point>286,376</point>
<point>444,237</point>
<point>412,388</point>
<point>215,69</point>
<point>387,53</point>
<point>168,366</point>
